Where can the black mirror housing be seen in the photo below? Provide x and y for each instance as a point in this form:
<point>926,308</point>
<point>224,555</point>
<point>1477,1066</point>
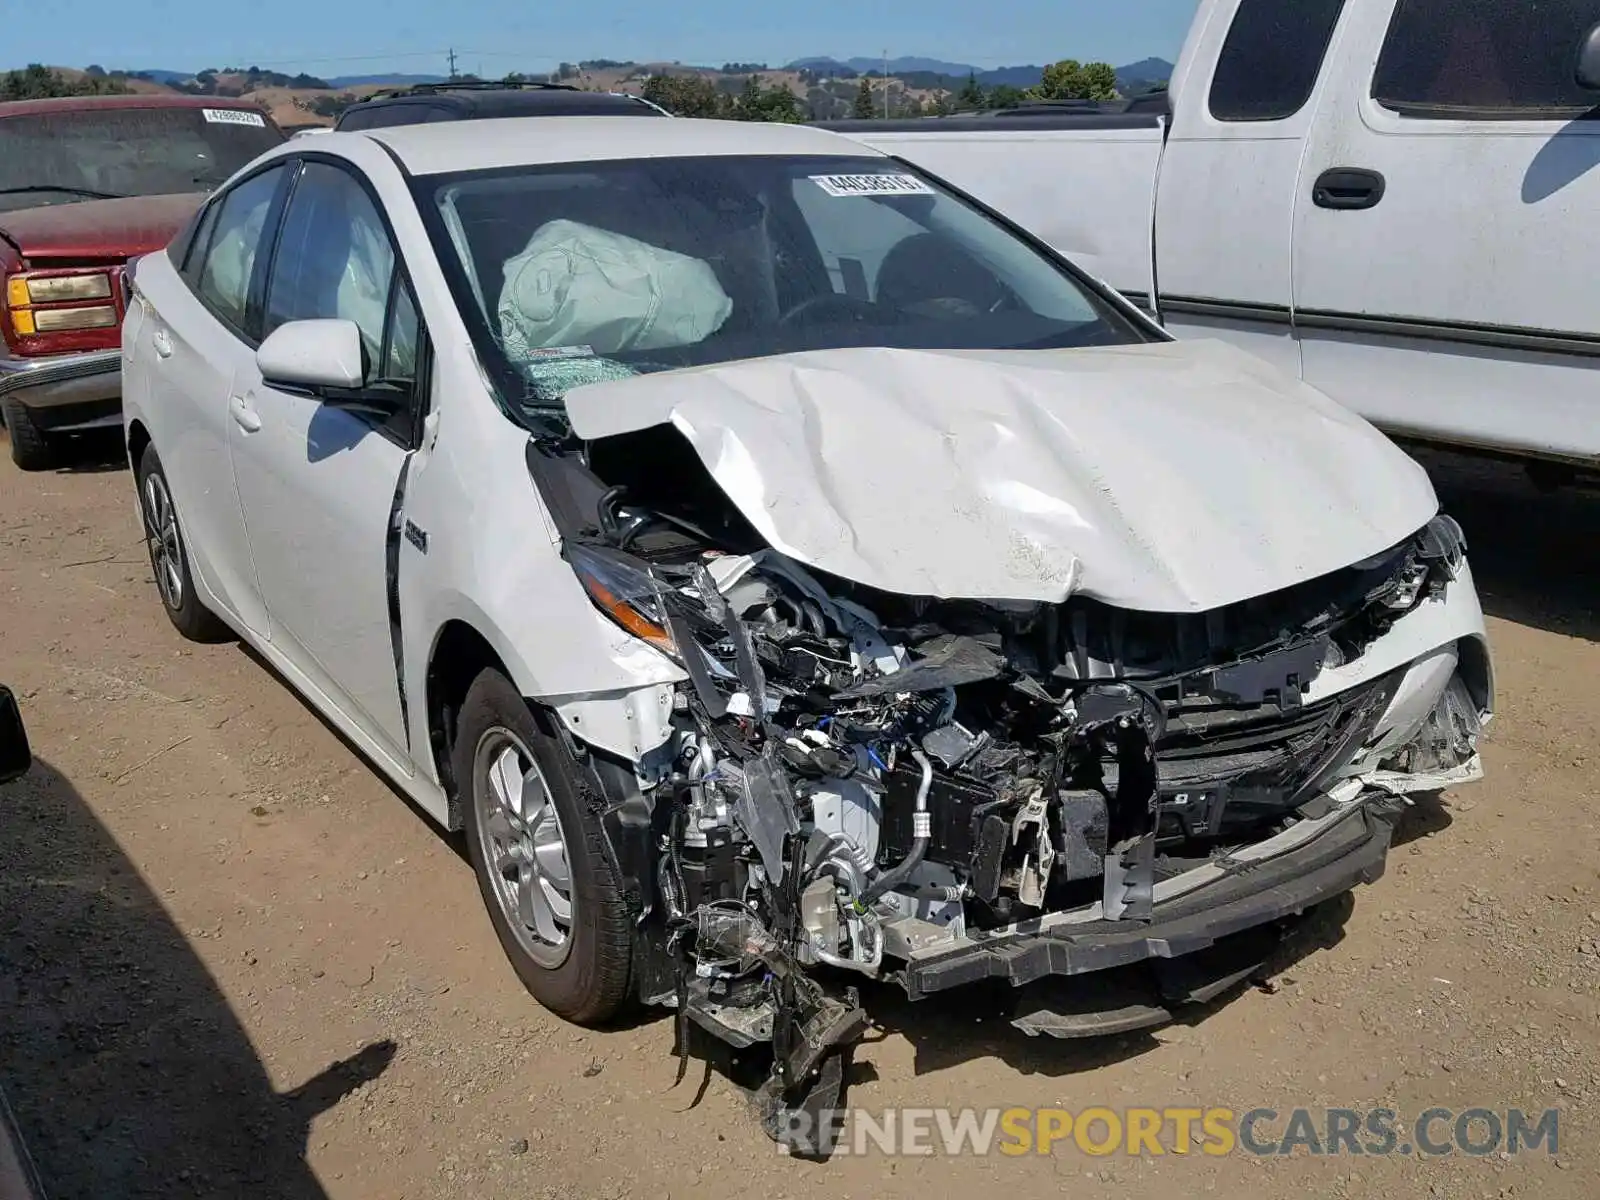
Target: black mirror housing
<point>1588,72</point>
<point>15,756</point>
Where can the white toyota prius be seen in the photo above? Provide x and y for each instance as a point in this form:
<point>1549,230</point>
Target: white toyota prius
<point>787,573</point>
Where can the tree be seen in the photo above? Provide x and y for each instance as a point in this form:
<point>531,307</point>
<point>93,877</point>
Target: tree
<point>758,102</point>
<point>971,97</point>
<point>687,96</point>
<point>1071,80</point>
<point>37,82</point>
<point>1003,95</point>
<point>865,106</point>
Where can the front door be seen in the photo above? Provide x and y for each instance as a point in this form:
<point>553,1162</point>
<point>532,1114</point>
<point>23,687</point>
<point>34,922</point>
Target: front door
<point>1445,255</point>
<point>1228,174</point>
<point>320,483</point>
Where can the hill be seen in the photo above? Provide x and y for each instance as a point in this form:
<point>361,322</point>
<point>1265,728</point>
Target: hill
<point>827,86</point>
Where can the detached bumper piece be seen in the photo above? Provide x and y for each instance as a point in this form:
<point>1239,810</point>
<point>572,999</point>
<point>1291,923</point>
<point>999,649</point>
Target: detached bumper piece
<point>1350,852</point>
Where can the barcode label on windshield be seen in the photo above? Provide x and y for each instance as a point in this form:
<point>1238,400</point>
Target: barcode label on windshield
<point>233,116</point>
<point>872,185</point>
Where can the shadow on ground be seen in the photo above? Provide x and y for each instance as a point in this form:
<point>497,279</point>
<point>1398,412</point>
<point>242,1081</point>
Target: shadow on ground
<point>1533,552</point>
<point>129,1073</point>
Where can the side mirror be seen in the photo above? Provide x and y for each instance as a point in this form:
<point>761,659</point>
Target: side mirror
<point>1589,61</point>
<point>313,356</point>
<point>15,757</point>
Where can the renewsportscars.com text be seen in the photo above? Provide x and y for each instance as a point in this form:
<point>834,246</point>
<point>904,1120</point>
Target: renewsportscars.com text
<point>1101,1132</point>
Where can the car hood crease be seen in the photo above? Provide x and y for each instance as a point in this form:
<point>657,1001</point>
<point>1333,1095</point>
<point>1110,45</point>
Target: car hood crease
<point>1174,477</point>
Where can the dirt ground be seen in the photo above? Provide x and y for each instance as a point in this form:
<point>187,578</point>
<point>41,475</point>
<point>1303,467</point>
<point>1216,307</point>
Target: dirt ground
<point>234,963</point>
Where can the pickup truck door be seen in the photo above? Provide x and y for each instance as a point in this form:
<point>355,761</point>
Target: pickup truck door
<point>1244,97</point>
<point>321,484</point>
<point>1445,260</point>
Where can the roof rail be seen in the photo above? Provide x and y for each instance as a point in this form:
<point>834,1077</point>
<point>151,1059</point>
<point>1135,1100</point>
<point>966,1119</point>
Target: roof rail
<point>470,85</point>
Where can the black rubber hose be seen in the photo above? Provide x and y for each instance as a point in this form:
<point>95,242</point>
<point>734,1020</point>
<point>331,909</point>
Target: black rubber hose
<point>888,880</point>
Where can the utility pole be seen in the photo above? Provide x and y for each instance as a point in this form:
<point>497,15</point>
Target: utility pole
<point>886,84</point>
<point>452,56</point>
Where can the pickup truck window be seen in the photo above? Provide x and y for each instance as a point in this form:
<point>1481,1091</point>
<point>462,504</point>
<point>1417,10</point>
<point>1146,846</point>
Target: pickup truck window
<point>1459,60</point>
<point>1272,57</point>
<point>81,154</point>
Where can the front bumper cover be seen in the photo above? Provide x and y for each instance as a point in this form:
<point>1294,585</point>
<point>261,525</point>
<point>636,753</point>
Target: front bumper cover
<point>87,382</point>
<point>1350,850</point>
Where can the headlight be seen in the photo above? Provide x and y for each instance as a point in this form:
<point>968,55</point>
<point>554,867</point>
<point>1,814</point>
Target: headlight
<point>624,589</point>
<point>1436,555</point>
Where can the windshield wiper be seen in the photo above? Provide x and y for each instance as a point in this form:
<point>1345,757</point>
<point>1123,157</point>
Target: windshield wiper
<point>56,187</point>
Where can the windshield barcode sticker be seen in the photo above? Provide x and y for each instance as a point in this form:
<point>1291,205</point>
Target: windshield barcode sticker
<point>872,185</point>
<point>233,116</point>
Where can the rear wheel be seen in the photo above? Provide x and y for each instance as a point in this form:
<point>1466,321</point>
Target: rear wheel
<point>536,843</point>
<point>31,448</point>
<point>169,557</point>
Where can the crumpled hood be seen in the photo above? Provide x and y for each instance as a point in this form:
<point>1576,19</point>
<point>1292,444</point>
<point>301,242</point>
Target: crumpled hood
<point>1172,477</point>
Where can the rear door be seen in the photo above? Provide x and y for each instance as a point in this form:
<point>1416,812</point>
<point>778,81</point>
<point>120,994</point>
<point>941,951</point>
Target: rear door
<point>1460,302</point>
<point>321,485</point>
<point>196,337</point>
<point>1246,91</point>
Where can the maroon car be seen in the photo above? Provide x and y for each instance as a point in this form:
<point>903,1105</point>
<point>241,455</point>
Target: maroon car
<point>85,185</point>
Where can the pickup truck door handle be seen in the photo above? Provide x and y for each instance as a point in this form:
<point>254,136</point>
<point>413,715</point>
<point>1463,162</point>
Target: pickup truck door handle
<point>1348,189</point>
<point>162,342</point>
<point>244,414</point>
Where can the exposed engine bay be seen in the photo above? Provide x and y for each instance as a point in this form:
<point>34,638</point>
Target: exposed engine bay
<point>857,779</point>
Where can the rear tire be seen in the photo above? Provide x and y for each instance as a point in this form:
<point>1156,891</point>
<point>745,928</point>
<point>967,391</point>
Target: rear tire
<point>169,556</point>
<point>31,448</point>
<point>559,915</point>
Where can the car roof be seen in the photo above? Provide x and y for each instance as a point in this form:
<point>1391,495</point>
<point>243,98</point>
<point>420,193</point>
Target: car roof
<point>512,102</point>
<point>444,148</point>
<point>22,108</point>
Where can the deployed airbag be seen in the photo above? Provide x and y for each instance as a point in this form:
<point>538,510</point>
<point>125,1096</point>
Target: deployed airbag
<point>575,286</point>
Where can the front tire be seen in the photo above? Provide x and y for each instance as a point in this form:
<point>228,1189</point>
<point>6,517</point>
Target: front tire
<point>169,557</point>
<point>536,843</point>
<point>31,448</point>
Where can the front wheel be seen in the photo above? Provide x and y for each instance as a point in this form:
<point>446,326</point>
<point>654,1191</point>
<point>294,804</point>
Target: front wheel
<point>536,842</point>
<point>31,448</point>
<point>169,557</point>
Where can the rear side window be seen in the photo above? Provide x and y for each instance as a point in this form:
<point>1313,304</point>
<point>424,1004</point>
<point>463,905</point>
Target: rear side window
<point>1272,57</point>
<point>233,243</point>
<point>1485,59</point>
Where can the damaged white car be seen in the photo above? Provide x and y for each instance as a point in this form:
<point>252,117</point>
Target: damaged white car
<point>789,575</point>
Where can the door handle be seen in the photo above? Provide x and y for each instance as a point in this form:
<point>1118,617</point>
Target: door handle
<point>1348,189</point>
<point>162,342</point>
<point>244,414</point>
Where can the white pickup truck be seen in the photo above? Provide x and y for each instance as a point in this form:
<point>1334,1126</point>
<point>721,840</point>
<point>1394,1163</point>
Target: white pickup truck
<point>1398,200</point>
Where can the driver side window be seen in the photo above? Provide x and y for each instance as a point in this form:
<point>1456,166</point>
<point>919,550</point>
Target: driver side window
<point>335,261</point>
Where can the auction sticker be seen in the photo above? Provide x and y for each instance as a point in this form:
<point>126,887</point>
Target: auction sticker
<point>233,116</point>
<point>872,185</point>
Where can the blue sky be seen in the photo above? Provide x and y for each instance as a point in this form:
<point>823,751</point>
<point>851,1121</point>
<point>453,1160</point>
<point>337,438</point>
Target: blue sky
<point>349,37</point>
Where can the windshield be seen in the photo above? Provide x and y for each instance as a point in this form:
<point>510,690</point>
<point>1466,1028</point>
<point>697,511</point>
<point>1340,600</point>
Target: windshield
<point>577,273</point>
<point>70,156</point>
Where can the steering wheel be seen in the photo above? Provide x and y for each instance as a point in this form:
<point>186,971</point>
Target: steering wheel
<point>848,309</point>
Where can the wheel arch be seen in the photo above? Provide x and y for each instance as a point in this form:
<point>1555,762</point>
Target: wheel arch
<point>460,653</point>
<point>139,440</point>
